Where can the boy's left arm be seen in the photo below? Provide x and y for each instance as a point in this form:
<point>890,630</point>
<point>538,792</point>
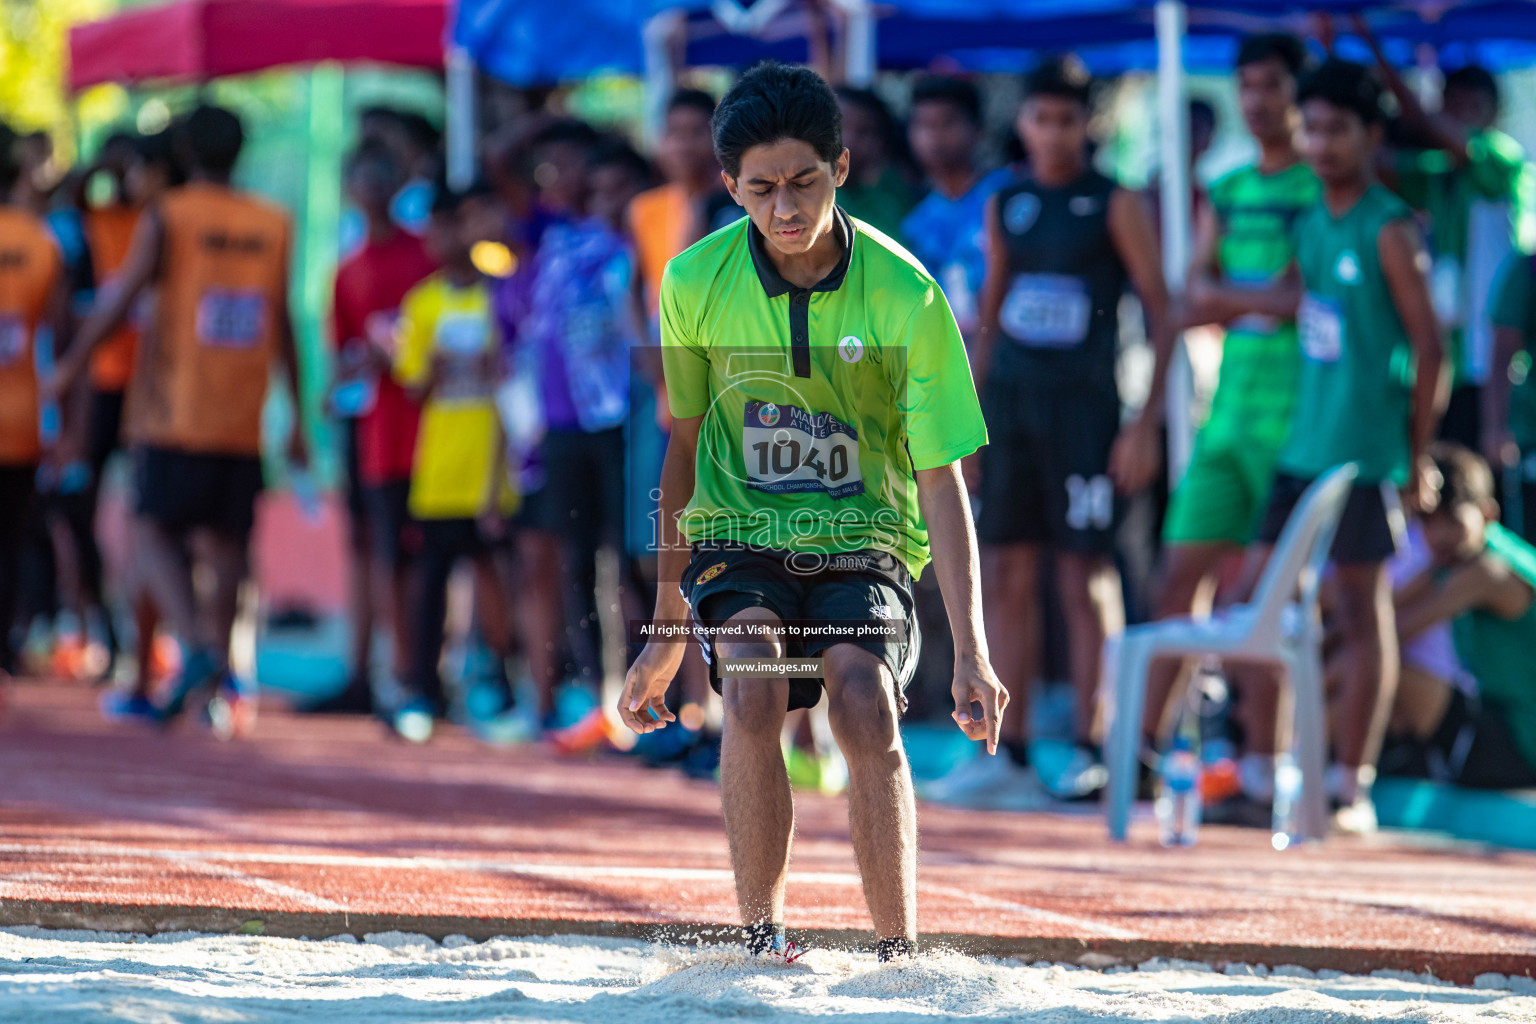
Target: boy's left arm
<point>952,538</point>
<point>1405,264</point>
<point>1136,456</point>
<point>1482,583</point>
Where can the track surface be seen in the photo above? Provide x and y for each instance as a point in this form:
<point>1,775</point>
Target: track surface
<point>320,826</point>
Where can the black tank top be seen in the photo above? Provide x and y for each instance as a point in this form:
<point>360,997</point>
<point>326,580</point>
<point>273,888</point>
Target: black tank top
<point>1060,314</point>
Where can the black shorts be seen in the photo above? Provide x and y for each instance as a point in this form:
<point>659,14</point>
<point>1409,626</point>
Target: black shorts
<point>1045,469</point>
<point>187,490</point>
<point>395,537</point>
<point>1368,530</point>
<point>865,586</point>
<point>582,498</point>
<point>352,481</point>
<point>1478,749</point>
<point>104,424</point>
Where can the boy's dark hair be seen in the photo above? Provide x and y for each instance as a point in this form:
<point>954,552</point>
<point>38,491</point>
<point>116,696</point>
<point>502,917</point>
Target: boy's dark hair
<point>771,103</point>
<point>9,169</point>
<point>158,149</point>
<point>957,92</point>
<point>446,202</point>
<point>615,151</point>
<point>1465,478</point>
<point>1283,47</point>
<point>371,153</point>
<point>564,131</point>
<point>692,99</point>
<point>1473,78</point>
<point>209,139</point>
<point>1202,111</point>
<point>1346,85</point>
<point>422,132</point>
<point>1063,76</point>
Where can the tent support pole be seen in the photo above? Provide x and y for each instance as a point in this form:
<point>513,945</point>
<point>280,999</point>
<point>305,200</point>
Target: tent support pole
<point>658,36</point>
<point>461,117</point>
<point>859,57</point>
<point>1173,121</point>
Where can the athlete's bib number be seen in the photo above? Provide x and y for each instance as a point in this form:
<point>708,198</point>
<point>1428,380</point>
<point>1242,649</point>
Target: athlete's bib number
<point>13,340</point>
<point>461,341</point>
<point>1047,311</point>
<point>1320,326</point>
<point>788,450</point>
<point>231,319</point>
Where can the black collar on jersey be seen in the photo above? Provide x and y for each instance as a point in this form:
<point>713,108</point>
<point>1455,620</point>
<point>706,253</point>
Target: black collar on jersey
<point>800,298</point>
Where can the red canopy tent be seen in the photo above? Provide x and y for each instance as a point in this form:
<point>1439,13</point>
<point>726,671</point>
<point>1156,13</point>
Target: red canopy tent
<point>202,39</point>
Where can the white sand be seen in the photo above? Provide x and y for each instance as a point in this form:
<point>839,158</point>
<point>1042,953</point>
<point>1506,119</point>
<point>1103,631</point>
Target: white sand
<point>83,977</point>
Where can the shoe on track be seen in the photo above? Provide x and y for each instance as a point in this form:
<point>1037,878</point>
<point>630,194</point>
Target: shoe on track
<point>413,721</point>
<point>1082,776</point>
<point>232,709</point>
<point>118,706</point>
<point>991,782</point>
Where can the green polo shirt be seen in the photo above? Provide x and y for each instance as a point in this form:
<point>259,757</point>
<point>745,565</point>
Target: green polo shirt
<point>819,403</point>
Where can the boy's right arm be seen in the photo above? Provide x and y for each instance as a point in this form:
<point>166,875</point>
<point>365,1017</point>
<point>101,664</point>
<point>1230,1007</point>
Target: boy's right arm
<point>1483,583</point>
<point>140,267</point>
<point>645,686</point>
<point>1403,264</point>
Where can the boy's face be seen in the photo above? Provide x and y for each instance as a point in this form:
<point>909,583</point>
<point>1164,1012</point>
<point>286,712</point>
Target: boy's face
<point>1470,108</point>
<point>1455,533</point>
<point>942,136</point>
<point>1054,130</point>
<point>789,192</point>
<point>371,185</point>
<point>560,172</point>
<point>144,182</point>
<point>610,188</point>
<point>687,150</point>
<point>1266,94</point>
<point>444,239</point>
<point>861,134</point>
<point>1336,143</point>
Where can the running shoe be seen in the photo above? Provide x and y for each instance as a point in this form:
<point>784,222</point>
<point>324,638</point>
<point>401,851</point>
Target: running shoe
<point>123,706</point>
<point>198,671</point>
<point>509,728</point>
<point>590,733</point>
<point>413,721</point>
<point>1356,819</point>
<point>232,709</point>
<point>993,782</point>
<point>813,772</point>
<point>702,762</point>
<point>1080,777</point>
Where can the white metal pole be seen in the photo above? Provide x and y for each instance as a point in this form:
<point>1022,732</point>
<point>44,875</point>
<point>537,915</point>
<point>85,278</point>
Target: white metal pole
<point>859,60</point>
<point>1173,119</point>
<point>460,120</point>
<point>658,37</point>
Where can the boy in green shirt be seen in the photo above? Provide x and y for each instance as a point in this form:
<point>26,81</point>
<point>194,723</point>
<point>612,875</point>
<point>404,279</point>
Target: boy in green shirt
<point>1472,181</point>
<point>821,402</point>
<point>1483,581</point>
<point>1369,392</point>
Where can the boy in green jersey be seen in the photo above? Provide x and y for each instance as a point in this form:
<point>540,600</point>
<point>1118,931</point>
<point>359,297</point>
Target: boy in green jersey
<point>1243,241</point>
<point>821,402</point>
<point>1370,391</point>
<point>1483,581</point>
<point>1473,182</point>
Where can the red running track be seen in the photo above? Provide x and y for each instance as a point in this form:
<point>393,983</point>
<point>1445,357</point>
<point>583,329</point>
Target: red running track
<point>318,826</point>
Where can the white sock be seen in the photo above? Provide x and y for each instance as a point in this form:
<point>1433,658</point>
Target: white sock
<point>1256,774</point>
<point>1348,783</point>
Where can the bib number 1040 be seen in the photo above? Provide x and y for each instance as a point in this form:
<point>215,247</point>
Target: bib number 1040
<point>786,450</point>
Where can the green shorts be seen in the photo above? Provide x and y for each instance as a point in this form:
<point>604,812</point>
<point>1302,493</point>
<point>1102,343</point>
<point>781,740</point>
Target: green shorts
<point>1223,494</point>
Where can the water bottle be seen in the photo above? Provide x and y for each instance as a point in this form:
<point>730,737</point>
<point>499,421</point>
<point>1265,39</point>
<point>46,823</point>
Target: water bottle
<point>1287,800</point>
<point>1178,784</point>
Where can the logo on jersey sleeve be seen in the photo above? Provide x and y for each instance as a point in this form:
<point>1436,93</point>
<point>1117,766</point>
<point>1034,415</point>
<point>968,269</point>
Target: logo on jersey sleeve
<point>851,349</point>
<point>1021,212</point>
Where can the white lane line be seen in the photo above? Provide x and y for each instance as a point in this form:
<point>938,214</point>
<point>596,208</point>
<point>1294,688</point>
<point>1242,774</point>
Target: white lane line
<point>570,871</point>
<point>982,900</point>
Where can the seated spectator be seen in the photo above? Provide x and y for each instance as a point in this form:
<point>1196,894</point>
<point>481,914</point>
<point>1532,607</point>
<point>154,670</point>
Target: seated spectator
<point>1483,582</point>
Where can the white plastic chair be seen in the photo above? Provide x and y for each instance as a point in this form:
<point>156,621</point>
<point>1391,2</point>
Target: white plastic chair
<point>1280,626</point>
